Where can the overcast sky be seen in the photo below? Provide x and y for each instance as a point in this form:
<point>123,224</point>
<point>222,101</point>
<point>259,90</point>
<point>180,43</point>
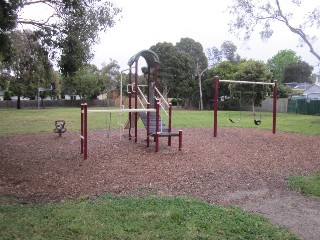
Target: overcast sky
<point>146,22</point>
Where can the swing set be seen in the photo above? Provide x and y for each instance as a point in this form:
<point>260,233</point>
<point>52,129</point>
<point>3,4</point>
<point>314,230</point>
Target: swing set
<point>256,121</point>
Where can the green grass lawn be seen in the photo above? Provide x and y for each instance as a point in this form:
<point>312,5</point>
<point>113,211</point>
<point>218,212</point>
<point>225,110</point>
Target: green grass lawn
<point>32,121</point>
<point>308,185</point>
<point>110,217</point>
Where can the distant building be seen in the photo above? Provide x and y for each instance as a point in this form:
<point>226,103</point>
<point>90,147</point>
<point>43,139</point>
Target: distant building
<point>312,93</point>
<point>294,86</point>
<point>317,81</point>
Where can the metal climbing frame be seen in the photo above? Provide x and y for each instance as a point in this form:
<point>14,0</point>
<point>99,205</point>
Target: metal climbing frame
<point>153,105</point>
<point>153,97</point>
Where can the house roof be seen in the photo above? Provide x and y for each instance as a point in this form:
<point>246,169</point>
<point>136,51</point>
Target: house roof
<point>314,89</point>
<point>299,86</point>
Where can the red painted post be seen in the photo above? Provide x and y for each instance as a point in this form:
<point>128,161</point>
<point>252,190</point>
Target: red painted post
<point>274,107</point>
<point>81,130</point>
<point>136,102</point>
<point>170,123</point>
<point>155,82</point>
<point>157,126</point>
<point>215,106</point>
<point>180,140</point>
<point>85,132</point>
<point>148,125</point>
<point>149,77</point>
<point>130,96</point>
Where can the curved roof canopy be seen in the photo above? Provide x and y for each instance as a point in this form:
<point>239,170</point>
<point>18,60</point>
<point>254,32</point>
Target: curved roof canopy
<point>150,57</point>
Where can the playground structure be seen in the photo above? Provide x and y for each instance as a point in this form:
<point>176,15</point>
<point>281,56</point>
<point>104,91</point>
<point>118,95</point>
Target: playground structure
<point>257,122</point>
<point>153,107</point>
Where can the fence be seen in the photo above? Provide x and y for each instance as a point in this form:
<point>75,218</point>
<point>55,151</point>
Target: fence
<point>304,106</point>
<point>34,104</point>
<point>267,105</point>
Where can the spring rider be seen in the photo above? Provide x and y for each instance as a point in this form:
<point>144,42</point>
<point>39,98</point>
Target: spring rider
<point>59,127</point>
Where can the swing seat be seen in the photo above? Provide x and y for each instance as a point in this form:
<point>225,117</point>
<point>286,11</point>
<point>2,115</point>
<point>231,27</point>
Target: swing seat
<point>234,121</point>
<point>257,122</point>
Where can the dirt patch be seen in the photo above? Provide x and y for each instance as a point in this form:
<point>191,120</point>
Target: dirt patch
<point>243,167</point>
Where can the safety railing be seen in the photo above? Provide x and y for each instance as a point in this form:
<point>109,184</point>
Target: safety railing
<point>143,96</point>
<point>163,104</point>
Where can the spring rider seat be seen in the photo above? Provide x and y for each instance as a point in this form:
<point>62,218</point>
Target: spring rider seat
<point>59,127</point>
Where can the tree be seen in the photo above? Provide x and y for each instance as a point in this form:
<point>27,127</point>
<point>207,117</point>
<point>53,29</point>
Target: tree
<point>175,71</point>
<point>214,56</point>
<point>29,65</point>
<point>225,70</point>
<point>278,63</point>
<point>168,56</point>
<point>253,71</point>
<point>70,29</point>
<point>227,52</point>
<point>183,86</point>
<point>7,23</point>
<point>298,72</point>
<point>200,62</point>
<point>85,82</point>
<point>110,76</point>
<point>249,14</point>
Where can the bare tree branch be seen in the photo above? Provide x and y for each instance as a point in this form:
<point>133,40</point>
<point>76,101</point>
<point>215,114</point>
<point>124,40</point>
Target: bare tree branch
<point>249,14</point>
<point>37,23</point>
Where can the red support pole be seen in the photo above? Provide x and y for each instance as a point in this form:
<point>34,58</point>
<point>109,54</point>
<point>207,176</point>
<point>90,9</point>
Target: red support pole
<point>84,130</point>
<point>170,123</point>
<point>130,96</point>
<point>136,102</point>
<point>215,106</point>
<point>81,131</point>
<point>85,155</point>
<point>274,107</point>
<point>180,140</point>
<point>148,125</point>
<point>149,77</point>
<point>157,126</point>
<point>155,82</point>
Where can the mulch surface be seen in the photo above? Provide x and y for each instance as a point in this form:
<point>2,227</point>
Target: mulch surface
<point>238,166</point>
<point>47,167</point>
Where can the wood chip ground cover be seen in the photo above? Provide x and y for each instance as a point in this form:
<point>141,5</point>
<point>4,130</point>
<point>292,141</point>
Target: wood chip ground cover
<point>243,167</point>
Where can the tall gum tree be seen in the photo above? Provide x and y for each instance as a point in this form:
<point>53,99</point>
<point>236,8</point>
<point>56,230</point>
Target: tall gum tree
<point>29,65</point>
<point>200,61</point>
<point>70,28</point>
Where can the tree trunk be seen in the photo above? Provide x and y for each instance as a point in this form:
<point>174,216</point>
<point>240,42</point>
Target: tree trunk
<point>19,102</point>
<point>165,92</point>
<point>186,103</point>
